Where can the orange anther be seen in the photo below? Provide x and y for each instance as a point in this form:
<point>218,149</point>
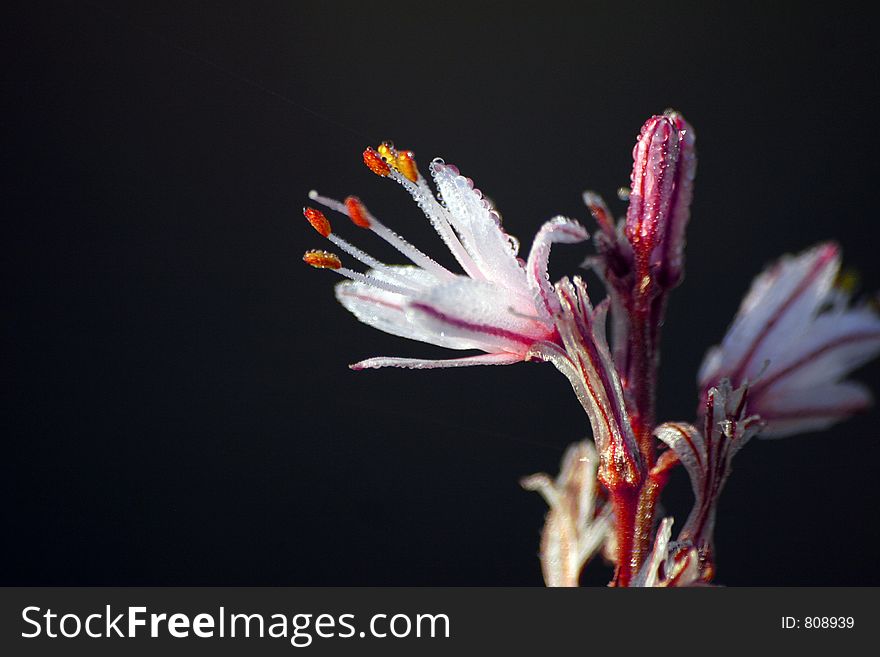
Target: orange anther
<point>318,220</point>
<point>375,163</point>
<point>322,260</point>
<point>358,212</point>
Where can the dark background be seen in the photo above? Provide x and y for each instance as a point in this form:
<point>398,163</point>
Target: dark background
<point>176,403</point>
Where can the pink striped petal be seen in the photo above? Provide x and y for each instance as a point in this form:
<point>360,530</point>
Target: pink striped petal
<point>558,230</point>
<point>424,364</point>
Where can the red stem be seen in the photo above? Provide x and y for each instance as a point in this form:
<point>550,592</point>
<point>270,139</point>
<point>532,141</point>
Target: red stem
<point>625,499</point>
<point>635,507</point>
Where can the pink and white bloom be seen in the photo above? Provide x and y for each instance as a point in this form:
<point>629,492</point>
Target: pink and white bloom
<point>501,304</point>
<point>794,340</point>
<point>498,304</point>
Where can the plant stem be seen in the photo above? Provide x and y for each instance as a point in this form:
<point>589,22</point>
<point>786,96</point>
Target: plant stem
<point>635,508</point>
<point>624,499</point>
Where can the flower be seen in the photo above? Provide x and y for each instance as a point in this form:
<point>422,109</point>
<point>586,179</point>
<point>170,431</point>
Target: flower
<point>794,338</point>
<point>577,525</point>
<point>500,304</point>
<point>707,457</point>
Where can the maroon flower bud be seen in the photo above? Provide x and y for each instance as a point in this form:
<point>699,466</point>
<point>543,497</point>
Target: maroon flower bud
<point>664,164</point>
<point>671,259</point>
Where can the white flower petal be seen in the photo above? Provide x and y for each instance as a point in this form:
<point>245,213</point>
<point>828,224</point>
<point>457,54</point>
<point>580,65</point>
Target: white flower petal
<point>711,367</point>
<point>423,364</point>
<point>776,312</point>
<point>479,229</point>
<point>794,338</point>
<point>386,311</point>
<point>557,230</point>
<point>478,312</point>
<point>810,409</point>
<point>835,344</point>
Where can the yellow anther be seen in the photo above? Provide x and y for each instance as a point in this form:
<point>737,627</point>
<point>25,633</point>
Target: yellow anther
<point>406,164</point>
<point>847,281</point>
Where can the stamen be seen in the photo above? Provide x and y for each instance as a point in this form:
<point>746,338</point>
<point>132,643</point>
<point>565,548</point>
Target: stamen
<point>328,202</point>
<point>406,164</point>
<point>847,281</point>
<point>322,225</point>
<point>354,208</point>
<point>387,151</point>
<point>436,214</point>
<point>357,212</point>
<point>360,216</point>
<point>387,162</point>
<point>375,163</point>
<point>318,220</point>
<point>411,252</point>
<point>372,281</point>
<point>402,161</point>
<point>326,260</point>
<point>322,260</point>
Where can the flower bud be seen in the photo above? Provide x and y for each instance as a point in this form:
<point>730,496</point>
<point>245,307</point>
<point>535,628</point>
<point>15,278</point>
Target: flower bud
<point>664,165</point>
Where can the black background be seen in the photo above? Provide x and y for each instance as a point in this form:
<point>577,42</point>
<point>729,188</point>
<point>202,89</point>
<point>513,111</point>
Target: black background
<point>176,403</point>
